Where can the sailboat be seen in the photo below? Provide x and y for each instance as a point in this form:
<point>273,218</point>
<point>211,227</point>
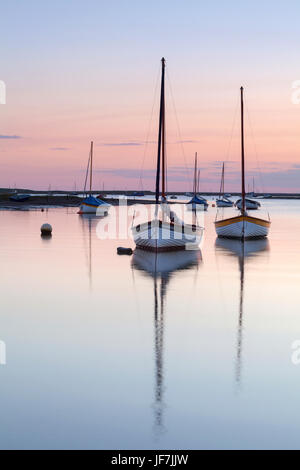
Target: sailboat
<point>222,200</point>
<point>166,232</point>
<point>91,204</point>
<point>197,202</point>
<point>249,203</point>
<point>243,226</point>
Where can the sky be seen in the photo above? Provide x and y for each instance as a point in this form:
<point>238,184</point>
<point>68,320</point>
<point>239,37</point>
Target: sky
<point>77,71</point>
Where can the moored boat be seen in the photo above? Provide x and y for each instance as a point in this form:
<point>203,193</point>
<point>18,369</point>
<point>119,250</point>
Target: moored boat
<point>222,200</point>
<point>249,204</point>
<point>20,197</point>
<point>197,202</point>
<point>91,204</point>
<point>166,232</point>
<point>243,226</point>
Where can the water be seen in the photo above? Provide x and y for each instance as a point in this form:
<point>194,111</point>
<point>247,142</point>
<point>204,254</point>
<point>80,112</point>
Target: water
<point>102,353</point>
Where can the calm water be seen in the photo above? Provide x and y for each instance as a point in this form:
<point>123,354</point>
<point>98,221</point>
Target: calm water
<point>108,351</point>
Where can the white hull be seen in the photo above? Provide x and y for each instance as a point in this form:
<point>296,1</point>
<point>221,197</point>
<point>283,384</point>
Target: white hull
<point>249,205</point>
<point>98,210</point>
<point>165,236</point>
<point>242,227</point>
<point>224,203</point>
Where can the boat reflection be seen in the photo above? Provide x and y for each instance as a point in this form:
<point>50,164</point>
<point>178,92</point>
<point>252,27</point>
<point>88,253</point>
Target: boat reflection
<point>244,252</point>
<point>89,223</point>
<point>161,267</point>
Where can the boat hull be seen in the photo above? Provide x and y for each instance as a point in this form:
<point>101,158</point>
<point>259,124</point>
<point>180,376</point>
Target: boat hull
<point>92,205</point>
<point>243,227</point>
<point>249,204</point>
<point>87,209</point>
<point>161,236</point>
<point>224,203</point>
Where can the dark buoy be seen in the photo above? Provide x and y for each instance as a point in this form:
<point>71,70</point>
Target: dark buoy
<point>46,230</point>
<point>124,251</point>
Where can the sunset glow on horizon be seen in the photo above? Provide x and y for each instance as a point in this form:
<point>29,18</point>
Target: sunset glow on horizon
<point>90,71</point>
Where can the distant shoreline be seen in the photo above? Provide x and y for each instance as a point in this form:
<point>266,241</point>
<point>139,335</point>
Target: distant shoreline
<point>69,193</point>
<point>60,198</point>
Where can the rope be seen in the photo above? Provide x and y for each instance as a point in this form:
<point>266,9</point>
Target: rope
<point>148,130</point>
<point>255,150</point>
<point>187,171</point>
<point>87,173</point>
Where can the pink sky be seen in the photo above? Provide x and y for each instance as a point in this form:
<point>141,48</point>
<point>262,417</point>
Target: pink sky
<point>94,77</point>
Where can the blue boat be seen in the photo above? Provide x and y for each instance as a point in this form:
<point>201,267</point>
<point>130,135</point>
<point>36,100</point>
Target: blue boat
<point>91,204</point>
<point>197,202</point>
<point>20,197</point>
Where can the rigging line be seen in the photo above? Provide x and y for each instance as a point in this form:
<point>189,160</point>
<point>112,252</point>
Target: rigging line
<point>187,171</point>
<point>255,150</point>
<point>149,127</point>
<point>232,131</point>
<point>87,172</point>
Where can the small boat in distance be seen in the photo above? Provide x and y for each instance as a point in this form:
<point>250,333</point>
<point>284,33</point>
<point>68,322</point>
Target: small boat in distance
<point>20,197</point>
<point>243,226</point>
<point>91,204</point>
<point>166,232</point>
<point>222,200</point>
<point>249,204</point>
<point>197,202</point>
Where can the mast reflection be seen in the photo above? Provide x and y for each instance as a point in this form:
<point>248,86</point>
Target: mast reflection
<point>161,267</point>
<point>244,251</point>
<point>89,223</point>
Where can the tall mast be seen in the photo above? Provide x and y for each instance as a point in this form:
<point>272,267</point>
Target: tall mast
<point>195,176</point>
<point>161,136</point>
<point>163,144</point>
<point>242,151</point>
<point>223,179</point>
<point>91,167</point>
<point>222,182</point>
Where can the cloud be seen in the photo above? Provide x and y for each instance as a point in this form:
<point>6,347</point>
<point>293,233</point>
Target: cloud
<point>121,144</point>
<point>10,136</point>
<point>59,148</point>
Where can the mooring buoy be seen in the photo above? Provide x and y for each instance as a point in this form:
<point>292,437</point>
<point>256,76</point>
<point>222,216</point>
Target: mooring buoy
<point>124,251</point>
<point>46,229</point>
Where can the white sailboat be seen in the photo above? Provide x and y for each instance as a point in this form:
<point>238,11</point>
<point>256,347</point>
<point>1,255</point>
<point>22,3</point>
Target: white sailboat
<point>91,204</point>
<point>243,226</point>
<point>166,232</point>
<point>222,200</point>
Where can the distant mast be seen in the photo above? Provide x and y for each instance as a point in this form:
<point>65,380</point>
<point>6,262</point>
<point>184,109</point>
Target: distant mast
<point>195,176</point>
<point>222,183</point>
<point>161,138</point>
<point>242,151</point>
<point>91,168</point>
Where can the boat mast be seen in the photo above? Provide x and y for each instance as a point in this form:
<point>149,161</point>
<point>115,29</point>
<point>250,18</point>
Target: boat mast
<point>161,136</point>
<point>242,151</point>
<point>91,168</point>
<point>222,183</point>
<point>195,176</point>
